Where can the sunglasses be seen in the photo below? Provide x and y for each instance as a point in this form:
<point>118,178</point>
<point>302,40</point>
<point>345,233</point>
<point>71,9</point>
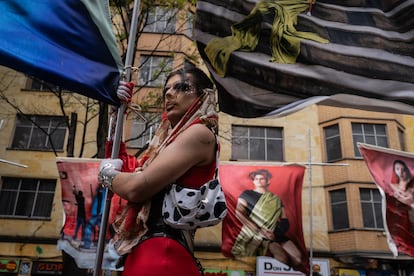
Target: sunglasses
<point>181,86</point>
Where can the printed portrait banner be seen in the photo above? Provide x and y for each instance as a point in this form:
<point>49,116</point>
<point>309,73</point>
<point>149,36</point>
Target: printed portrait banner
<point>264,214</point>
<point>392,172</point>
<point>83,203</point>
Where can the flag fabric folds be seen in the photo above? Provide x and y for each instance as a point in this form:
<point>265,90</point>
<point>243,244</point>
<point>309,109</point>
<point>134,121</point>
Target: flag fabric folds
<point>392,172</point>
<point>68,43</point>
<point>263,57</point>
<point>272,220</point>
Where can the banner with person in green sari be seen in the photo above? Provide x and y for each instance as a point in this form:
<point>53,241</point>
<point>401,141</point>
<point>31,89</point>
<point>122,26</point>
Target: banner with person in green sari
<point>264,213</point>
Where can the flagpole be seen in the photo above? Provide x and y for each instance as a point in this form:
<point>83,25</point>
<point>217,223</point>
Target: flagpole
<point>117,140</point>
<point>310,204</point>
<point>13,163</point>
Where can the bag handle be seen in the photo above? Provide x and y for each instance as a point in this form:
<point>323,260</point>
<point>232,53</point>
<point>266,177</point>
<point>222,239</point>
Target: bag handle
<point>217,148</point>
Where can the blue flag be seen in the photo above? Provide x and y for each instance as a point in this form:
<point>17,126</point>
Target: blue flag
<point>69,43</point>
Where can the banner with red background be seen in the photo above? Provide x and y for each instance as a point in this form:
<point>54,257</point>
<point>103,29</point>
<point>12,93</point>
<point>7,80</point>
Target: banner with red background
<point>81,175</point>
<point>286,183</point>
<point>397,196</point>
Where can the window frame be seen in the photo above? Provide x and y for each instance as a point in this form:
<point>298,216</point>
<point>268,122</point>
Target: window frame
<point>402,140</point>
<point>365,135</point>
<point>22,195</point>
<point>189,24</point>
<point>30,129</point>
<point>43,85</point>
<point>331,138</point>
<point>158,15</point>
<point>249,146</point>
<point>142,131</point>
<point>374,205</point>
<point>335,218</point>
<point>149,63</point>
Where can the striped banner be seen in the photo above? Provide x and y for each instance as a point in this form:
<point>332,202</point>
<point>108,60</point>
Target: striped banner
<point>267,55</point>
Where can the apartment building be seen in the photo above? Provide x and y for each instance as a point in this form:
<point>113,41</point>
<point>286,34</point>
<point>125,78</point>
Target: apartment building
<point>339,197</point>
<point>34,132</point>
<point>322,138</point>
<point>313,136</point>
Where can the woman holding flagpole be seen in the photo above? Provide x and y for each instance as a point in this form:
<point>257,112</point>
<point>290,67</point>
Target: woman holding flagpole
<point>183,151</point>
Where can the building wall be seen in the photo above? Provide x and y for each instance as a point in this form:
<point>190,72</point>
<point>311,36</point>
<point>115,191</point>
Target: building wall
<point>355,175</point>
<point>34,239</point>
<point>304,139</point>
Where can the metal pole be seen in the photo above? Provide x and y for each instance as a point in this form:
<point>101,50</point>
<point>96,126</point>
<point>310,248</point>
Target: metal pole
<point>13,163</point>
<point>117,140</point>
<point>310,205</point>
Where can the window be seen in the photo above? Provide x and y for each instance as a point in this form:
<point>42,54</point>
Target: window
<point>373,134</point>
<point>161,20</point>
<point>332,143</point>
<point>154,70</point>
<point>39,133</point>
<point>27,197</point>
<point>371,208</point>
<point>142,130</point>
<point>257,143</point>
<point>189,24</point>
<point>339,209</point>
<point>39,85</point>
<point>402,139</point>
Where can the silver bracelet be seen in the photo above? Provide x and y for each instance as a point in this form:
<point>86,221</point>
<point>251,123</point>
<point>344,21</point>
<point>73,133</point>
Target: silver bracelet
<point>106,176</point>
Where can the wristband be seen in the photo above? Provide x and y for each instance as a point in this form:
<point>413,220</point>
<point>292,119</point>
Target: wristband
<point>106,176</point>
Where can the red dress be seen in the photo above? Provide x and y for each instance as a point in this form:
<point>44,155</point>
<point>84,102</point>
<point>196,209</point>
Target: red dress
<point>160,256</point>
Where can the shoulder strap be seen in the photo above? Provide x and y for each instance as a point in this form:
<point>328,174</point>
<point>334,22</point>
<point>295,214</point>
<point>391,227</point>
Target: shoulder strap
<point>217,148</point>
